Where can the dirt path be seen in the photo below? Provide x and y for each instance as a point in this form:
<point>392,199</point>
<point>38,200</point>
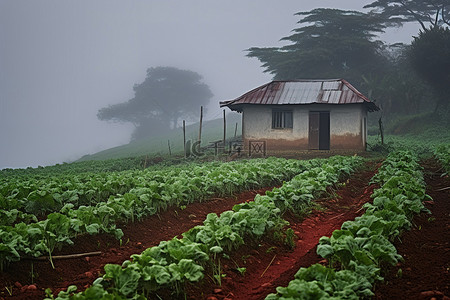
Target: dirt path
<point>425,249</point>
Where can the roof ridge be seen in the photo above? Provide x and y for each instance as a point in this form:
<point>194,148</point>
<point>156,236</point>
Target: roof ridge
<point>308,80</point>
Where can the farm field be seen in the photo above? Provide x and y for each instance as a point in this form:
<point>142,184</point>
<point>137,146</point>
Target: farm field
<point>200,150</point>
<point>263,261</point>
<point>69,206</point>
<point>425,271</point>
<point>270,264</point>
<point>141,235</point>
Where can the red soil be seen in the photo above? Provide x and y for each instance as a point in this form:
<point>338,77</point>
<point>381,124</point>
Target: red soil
<point>274,259</point>
<point>137,237</point>
<point>425,248</point>
<point>270,264</point>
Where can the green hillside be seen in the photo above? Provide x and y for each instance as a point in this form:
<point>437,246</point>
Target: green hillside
<point>419,133</point>
<point>158,145</point>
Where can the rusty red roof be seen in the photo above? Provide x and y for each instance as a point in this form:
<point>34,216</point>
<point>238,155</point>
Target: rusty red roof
<point>328,91</point>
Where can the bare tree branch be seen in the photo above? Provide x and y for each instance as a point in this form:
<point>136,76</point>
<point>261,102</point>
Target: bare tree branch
<point>414,14</point>
<point>443,16</point>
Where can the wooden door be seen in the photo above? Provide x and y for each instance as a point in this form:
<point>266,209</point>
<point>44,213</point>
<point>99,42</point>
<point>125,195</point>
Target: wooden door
<point>324,130</point>
<point>314,123</point>
<point>319,130</point>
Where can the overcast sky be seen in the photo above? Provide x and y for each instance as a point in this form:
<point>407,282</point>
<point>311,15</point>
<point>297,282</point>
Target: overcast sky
<point>61,61</point>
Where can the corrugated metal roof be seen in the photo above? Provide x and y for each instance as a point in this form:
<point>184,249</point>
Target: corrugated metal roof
<point>331,91</point>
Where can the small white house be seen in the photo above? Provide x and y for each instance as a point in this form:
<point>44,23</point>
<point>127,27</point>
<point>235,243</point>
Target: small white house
<point>303,115</point>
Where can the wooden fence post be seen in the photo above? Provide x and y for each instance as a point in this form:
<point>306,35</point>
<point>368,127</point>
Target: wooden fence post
<point>224,131</point>
<point>200,128</point>
<point>184,137</point>
<point>168,143</point>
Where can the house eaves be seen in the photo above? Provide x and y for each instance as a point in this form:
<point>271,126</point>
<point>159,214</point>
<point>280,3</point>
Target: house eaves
<point>329,91</point>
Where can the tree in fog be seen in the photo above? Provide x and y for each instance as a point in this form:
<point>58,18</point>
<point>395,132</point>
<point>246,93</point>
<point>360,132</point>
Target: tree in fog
<point>434,13</point>
<point>429,53</point>
<point>430,57</point>
<point>331,43</point>
<point>398,89</point>
<point>334,43</point>
<point>165,96</point>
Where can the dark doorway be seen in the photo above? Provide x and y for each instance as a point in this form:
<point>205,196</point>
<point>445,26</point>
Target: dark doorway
<point>319,130</point>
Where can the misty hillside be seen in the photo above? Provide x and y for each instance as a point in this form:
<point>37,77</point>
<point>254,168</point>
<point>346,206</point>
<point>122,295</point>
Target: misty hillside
<point>408,132</point>
<point>211,131</point>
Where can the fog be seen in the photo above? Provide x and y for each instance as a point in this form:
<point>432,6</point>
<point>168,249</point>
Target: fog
<point>61,61</point>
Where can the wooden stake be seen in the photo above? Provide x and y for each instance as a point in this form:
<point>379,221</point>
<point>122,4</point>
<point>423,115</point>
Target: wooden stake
<point>268,266</point>
<point>200,128</point>
<point>66,256</point>
<point>380,125</point>
<point>184,137</point>
<point>224,130</point>
<point>145,161</point>
<point>168,143</point>
<point>443,189</point>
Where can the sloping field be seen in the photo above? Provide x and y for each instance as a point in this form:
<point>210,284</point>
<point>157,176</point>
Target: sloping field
<point>265,257</point>
<point>212,130</point>
<point>425,271</point>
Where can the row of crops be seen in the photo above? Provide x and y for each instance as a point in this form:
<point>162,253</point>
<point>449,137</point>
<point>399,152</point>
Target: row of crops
<point>75,168</point>
<point>120,196</point>
<point>92,202</point>
<point>442,154</point>
<point>40,195</point>
<point>361,247</point>
<point>176,262</point>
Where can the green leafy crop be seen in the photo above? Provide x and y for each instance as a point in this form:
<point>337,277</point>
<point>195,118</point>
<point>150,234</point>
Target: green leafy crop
<point>178,261</point>
<point>361,247</point>
<point>94,202</point>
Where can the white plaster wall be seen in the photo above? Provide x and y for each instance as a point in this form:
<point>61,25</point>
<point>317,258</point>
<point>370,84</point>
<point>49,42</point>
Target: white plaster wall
<point>257,120</point>
<point>344,120</point>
